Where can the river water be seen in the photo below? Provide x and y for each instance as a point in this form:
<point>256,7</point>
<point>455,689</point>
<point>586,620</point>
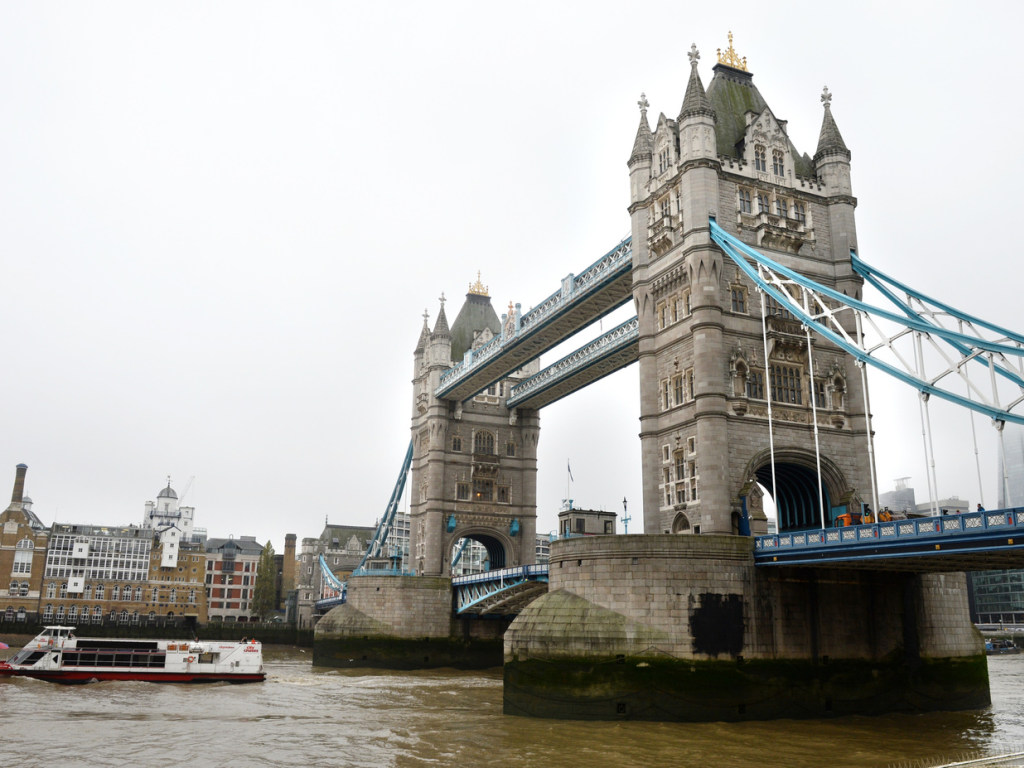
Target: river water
<point>310,717</point>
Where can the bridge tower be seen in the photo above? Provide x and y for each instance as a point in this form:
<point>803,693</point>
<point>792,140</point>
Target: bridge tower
<point>712,377</point>
<point>474,468</point>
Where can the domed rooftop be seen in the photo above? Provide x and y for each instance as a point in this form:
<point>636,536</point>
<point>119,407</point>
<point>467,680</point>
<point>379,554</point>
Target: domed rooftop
<point>167,493</point>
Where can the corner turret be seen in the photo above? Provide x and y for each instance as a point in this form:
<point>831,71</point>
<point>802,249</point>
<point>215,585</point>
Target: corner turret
<point>832,158</point>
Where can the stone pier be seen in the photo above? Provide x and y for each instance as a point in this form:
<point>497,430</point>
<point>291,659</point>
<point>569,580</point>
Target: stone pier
<point>404,622</point>
<point>664,627</point>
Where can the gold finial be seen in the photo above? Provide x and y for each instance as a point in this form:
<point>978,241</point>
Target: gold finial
<point>478,288</point>
<point>730,58</point>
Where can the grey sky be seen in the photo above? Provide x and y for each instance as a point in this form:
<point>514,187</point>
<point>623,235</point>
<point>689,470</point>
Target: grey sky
<point>220,223</point>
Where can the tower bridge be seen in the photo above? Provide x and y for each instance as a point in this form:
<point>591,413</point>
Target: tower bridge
<point>752,338</point>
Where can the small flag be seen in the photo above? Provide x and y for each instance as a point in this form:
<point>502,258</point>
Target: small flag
<point>570,470</point>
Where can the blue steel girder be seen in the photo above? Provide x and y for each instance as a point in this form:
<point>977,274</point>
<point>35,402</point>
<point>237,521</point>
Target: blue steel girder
<point>601,288</point>
<point>380,535</point>
<point>601,357</point>
<point>820,309</point>
<point>501,592</point>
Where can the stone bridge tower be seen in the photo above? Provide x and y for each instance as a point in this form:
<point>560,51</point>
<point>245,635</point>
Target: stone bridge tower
<point>474,468</point>
<point>705,376</point>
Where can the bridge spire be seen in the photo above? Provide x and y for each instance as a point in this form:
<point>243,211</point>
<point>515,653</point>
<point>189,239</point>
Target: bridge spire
<point>695,102</point>
<point>424,332</point>
<point>642,144</point>
<point>441,325</point>
<point>830,141</point>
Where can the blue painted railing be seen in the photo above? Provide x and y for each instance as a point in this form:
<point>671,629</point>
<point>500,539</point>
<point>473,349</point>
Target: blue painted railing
<point>503,574</point>
<point>479,588</point>
<point>943,527</point>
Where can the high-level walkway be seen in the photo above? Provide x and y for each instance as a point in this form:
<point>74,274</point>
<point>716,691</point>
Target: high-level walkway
<point>601,288</point>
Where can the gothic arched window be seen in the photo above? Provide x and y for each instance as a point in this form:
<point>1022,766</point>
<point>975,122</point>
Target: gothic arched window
<point>778,163</point>
<point>483,442</point>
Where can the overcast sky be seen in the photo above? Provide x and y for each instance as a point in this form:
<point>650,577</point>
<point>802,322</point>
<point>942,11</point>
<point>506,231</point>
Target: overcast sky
<point>220,223</point>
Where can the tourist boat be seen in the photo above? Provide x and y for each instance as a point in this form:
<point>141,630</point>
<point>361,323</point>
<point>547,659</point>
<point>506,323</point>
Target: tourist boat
<point>1000,647</point>
<point>57,656</point>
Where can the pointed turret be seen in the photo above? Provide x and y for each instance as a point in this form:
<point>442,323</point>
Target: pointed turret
<point>439,345</point>
<point>421,343</point>
<point>441,326</point>
<point>697,119</point>
<point>830,141</point>
<point>642,144</point>
<point>695,102</point>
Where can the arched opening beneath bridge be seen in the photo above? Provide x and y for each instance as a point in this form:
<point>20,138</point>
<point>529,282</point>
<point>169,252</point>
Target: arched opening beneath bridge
<point>797,502</point>
<point>476,553</point>
<point>795,492</point>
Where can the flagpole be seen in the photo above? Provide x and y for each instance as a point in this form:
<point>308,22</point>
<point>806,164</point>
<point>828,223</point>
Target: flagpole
<point>568,486</point>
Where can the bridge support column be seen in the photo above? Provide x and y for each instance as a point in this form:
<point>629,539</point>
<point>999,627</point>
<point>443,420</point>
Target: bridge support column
<point>404,622</point>
<point>686,628</point>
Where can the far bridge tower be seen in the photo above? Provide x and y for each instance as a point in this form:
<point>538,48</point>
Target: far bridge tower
<point>474,468</point>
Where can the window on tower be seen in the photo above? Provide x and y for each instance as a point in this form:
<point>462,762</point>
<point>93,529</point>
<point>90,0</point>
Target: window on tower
<point>483,442</point>
<point>786,387</point>
<point>664,158</point>
<point>745,204</point>
<point>778,163</point>
<point>760,159</point>
<point>739,299</point>
<point>755,385</point>
<point>483,490</point>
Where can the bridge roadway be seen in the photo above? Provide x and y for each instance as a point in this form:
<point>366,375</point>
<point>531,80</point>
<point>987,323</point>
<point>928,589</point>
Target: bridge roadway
<point>972,541</point>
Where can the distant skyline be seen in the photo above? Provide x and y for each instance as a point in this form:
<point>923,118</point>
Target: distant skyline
<point>223,222</point>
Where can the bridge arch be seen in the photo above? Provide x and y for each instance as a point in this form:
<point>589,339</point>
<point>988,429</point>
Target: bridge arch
<point>796,494</point>
<point>500,551</point>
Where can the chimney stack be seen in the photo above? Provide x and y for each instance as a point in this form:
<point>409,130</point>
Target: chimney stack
<point>19,484</point>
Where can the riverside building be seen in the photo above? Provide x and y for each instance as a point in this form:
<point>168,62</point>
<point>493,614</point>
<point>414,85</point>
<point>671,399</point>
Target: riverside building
<point>124,574</point>
<point>23,540</point>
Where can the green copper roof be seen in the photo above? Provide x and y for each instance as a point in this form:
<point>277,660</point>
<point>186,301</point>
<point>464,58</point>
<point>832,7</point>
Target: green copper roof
<point>732,94</point>
<point>475,315</point>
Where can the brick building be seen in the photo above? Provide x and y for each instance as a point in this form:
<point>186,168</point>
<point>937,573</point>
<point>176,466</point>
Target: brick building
<point>231,566</point>
<point>23,541</point>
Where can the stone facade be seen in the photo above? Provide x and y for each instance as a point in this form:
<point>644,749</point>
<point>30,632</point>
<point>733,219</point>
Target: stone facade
<point>703,373</point>
<point>474,468</point>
